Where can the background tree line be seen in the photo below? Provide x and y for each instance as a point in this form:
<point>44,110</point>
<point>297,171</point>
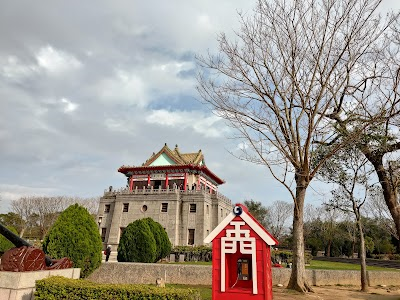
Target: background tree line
<point>33,216</point>
<point>332,232</point>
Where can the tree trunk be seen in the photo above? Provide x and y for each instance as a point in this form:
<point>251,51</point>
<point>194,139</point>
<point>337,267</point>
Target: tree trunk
<point>298,276</point>
<point>328,249</point>
<point>363,263</point>
<point>389,191</point>
<point>21,234</point>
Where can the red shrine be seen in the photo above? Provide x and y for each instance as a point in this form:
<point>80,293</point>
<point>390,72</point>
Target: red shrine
<point>241,258</point>
<point>171,168</point>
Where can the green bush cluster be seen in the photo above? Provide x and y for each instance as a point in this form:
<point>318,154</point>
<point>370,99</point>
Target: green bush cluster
<point>143,240</point>
<point>198,253</point>
<point>75,235</point>
<point>6,244</point>
<point>57,287</point>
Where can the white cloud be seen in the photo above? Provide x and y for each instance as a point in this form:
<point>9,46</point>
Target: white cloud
<point>56,61</point>
<point>9,192</point>
<point>204,23</point>
<point>242,146</point>
<point>14,69</point>
<point>68,105</point>
<point>127,28</point>
<point>118,125</point>
<point>173,68</point>
<point>208,126</point>
<point>124,87</point>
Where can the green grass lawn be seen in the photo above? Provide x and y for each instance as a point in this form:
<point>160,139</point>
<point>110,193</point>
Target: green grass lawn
<point>205,290</point>
<point>315,265</point>
<point>327,265</point>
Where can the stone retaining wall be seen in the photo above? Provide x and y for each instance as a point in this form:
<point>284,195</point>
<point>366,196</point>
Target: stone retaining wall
<point>21,285</point>
<point>201,275</point>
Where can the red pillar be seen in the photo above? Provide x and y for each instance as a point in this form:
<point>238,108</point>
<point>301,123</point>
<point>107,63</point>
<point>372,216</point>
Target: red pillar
<point>131,184</point>
<point>198,184</point>
<point>185,182</point>
<point>148,179</point>
<point>166,180</point>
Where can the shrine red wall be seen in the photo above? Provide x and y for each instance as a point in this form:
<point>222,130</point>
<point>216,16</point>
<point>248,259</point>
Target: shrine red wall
<point>243,288</point>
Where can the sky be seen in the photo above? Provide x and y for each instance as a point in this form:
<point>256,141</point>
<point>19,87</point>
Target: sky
<point>86,87</point>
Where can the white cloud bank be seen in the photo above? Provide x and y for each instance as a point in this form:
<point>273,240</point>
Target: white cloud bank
<point>205,125</point>
<point>56,61</point>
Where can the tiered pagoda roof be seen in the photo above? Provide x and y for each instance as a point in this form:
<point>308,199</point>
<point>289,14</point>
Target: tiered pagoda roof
<point>167,160</point>
<point>196,158</point>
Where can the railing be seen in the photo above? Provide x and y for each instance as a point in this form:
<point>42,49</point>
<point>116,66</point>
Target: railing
<point>144,190</point>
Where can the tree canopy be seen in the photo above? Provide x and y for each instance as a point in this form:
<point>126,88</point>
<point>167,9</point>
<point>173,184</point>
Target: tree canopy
<point>296,71</point>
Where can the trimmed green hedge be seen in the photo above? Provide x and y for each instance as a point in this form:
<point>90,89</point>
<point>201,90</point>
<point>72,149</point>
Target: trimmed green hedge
<point>58,287</point>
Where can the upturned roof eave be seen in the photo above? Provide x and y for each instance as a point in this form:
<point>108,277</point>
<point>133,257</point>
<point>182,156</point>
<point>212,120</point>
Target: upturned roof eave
<point>126,169</point>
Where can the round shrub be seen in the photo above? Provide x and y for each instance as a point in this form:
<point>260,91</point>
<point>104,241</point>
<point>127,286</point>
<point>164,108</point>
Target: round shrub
<point>75,235</point>
<point>137,243</point>
<point>6,244</point>
<point>162,241</point>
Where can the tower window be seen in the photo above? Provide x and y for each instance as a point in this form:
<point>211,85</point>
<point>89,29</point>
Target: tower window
<point>107,208</point>
<point>126,207</point>
<point>103,234</point>
<point>164,207</point>
<point>192,208</point>
<point>191,237</point>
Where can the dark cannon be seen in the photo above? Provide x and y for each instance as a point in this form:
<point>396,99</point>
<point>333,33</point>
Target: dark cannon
<point>25,257</point>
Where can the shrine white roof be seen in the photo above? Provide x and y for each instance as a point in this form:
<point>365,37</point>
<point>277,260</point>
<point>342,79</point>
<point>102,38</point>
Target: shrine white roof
<point>255,226</point>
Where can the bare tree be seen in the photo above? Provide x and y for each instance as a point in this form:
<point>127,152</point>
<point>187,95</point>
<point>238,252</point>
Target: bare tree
<point>377,209</point>
<point>91,204</point>
<point>349,171</point>
<point>279,214</point>
<point>311,212</point>
<point>24,207</point>
<point>381,143</point>
<point>293,65</point>
<point>43,211</point>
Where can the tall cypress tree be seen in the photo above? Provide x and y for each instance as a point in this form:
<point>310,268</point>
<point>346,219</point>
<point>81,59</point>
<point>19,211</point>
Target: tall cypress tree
<point>162,241</point>
<point>137,243</point>
<point>75,235</point>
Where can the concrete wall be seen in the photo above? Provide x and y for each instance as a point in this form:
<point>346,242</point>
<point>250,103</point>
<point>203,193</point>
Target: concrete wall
<point>201,275</point>
<point>21,285</point>
<point>176,221</point>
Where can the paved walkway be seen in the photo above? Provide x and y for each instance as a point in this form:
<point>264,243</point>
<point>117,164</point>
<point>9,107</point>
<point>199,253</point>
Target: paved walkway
<point>113,257</point>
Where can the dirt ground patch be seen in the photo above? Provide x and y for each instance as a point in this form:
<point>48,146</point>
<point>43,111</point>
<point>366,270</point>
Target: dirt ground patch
<point>339,293</point>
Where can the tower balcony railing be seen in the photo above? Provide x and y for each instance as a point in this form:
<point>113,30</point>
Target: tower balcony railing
<point>145,190</point>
